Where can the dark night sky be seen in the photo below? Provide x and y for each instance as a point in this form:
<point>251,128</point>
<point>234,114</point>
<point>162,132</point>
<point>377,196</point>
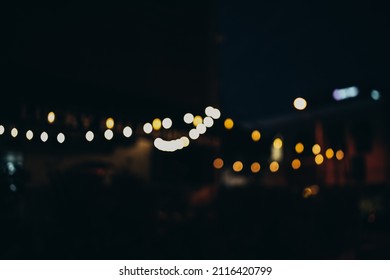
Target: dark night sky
<point>274,51</point>
<point>267,52</point>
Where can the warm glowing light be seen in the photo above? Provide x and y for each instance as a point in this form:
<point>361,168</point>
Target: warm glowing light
<point>14,132</point>
<point>108,134</point>
<point>89,136</point>
<point>194,134</point>
<point>339,154</point>
<point>237,166</point>
<point>329,153</point>
<point>167,123</point>
<point>296,164</point>
<point>201,128</point>
<point>274,166</point>
<point>186,141</point>
<point>188,118</point>
<point>307,192</point>
<point>316,149</point>
<point>2,130</point>
<point>300,103</point>
<point>156,124</point>
<point>299,148</point>
<point>218,163</point>
<point>127,131</point>
<point>51,117</point>
<point>197,120</point>
<point>60,138</point>
<point>208,121</point>
<point>110,123</point>
<point>148,128</point>
<point>29,135</point>
<point>256,135</point>
<point>44,136</point>
<point>278,143</point>
<point>255,167</point>
<point>319,159</point>
<point>314,189</point>
<point>229,123</point>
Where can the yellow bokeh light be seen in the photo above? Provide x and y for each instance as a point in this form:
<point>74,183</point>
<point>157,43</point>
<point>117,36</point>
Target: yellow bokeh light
<point>218,163</point>
<point>228,123</point>
<point>316,149</point>
<point>51,117</point>
<point>197,120</point>
<point>329,153</point>
<point>256,135</point>
<point>110,123</point>
<point>299,148</point>
<point>300,103</point>
<point>339,154</point>
<point>238,166</point>
<point>274,166</point>
<point>278,143</point>
<point>296,164</point>
<point>156,124</point>
<point>255,167</point>
<point>307,192</point>
<point>319,159</point>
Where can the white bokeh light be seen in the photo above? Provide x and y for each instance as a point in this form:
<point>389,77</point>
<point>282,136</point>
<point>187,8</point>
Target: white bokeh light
<point>194,134</point>
<point>29,135</point>
<point>201,128</point>
<point>2,130</point>
<point>60,138</point>
<point>188,118</point>
<point>108,134</point>
<point>208,121</point>
<point>148,128</point>
<point>167,123</point>
<point>44,136</point>
<point>127,131</point>
<point>89,136</point>
<point>14,132</point>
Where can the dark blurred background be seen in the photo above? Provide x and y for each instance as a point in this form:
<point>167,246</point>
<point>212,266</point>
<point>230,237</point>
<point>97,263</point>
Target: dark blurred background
<point>229,167</point>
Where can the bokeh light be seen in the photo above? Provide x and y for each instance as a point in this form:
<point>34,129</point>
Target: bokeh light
<point>238,166</point>
<point>156,124</point>
<point>188,118</point>
<point>148,128</point>
<point>316,149</point>
<point>110,123</point>
<point>256,135</point>
<point>89,136</point>
<point>44,136</point>
<point>339,154</point>
<point>300,103</point>
<point>208,121</point>
<point>29,135</point>
<point>197,120</point>
<point>108,134</point>
<point>60,138</point>
<point>319,159</point>
<point>218,163</point>
<point>278,143</point>
<point>167,123</point>
<point>185,140</point>
<point>255,167</point>
<point>329,153</point>
<point>296,164</point>
<point>229,123</point>
<point>127,131</point>
<point>299,148</point>
<point>14,132</point>
<point>2,130</point>
<point>51,117</point>
<point>274,166</point>
<point>194,134</point>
